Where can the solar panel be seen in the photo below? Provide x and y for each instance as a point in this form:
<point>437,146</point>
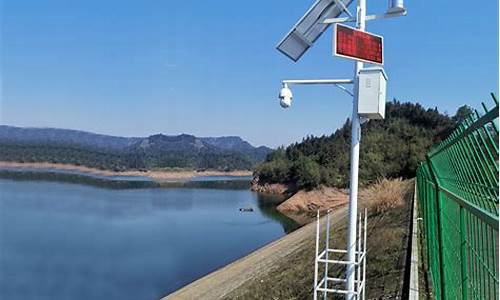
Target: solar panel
<point>309,28</point>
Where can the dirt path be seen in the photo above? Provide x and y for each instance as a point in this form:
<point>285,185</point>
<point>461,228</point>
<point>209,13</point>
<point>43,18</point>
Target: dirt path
<point>220,283</point>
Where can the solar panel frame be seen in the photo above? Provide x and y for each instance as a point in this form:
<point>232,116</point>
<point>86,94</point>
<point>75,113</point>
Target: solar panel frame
<point>309,28</point>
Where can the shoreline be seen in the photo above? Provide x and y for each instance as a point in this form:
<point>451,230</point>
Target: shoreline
<point>224,281</point>
<point>255,275</point>
<point>152,174</point>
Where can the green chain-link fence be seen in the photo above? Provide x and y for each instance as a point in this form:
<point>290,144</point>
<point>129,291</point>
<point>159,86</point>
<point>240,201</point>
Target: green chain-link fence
<point>458,202</point>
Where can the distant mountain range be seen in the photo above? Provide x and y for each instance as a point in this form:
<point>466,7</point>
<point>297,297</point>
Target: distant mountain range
<point>123,153</point>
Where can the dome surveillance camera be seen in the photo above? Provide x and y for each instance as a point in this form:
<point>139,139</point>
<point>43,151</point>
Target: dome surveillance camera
<point>285,96</point>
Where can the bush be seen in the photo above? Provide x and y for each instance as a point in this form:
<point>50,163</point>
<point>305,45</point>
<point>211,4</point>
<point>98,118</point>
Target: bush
<point>306,173</point>
<point>275,171</point>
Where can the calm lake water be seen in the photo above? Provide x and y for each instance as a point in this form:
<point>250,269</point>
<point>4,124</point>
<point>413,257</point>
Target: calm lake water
<point>61,240</point>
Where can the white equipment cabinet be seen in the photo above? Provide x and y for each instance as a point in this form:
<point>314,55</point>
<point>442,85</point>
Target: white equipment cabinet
<point>371,93</point>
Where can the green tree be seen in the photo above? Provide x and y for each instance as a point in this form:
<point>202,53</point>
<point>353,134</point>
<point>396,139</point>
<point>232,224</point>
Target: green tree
<point>306,173</point>
<point>392,147</point>
<point>462,113</point>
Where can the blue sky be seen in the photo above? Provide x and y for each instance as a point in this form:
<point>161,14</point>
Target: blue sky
<point>210,68</point>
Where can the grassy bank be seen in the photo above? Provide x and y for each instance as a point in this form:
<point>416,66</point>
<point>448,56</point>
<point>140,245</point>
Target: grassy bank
<point>389,207</point>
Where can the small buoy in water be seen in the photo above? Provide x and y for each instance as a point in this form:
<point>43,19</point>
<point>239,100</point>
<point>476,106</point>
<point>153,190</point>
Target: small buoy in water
<point>247,209</point>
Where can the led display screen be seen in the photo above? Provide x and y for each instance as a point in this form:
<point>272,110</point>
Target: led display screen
<point>359,45</point>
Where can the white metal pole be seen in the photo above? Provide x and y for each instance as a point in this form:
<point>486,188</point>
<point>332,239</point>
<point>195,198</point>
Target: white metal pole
<point>364,259</point>
<point>315,297</point>
<point>353,191</point>
<point>327,242</point>
<point>358,256</point>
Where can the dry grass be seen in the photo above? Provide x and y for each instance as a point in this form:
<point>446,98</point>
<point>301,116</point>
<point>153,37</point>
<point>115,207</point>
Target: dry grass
<point>322,198</point>
<point>384,195</point>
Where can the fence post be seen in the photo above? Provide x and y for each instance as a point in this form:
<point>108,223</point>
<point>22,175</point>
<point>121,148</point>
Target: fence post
<point>463,252</point>
<point>439,231</point>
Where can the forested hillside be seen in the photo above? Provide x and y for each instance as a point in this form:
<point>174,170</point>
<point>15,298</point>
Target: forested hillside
<point>390,148</point>
<point>121,153</point>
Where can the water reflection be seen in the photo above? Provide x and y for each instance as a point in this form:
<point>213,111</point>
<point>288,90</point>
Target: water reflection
<point>116,182</point>
<point>73,241</point>
<point>123,182</point>
<point>267,205</point>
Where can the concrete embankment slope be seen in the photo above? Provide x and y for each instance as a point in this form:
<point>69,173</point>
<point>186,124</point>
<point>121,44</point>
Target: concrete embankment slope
<point>220,283</point>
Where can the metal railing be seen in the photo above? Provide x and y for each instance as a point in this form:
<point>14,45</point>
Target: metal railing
<point>457,189</point>
<point>335,258</point>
